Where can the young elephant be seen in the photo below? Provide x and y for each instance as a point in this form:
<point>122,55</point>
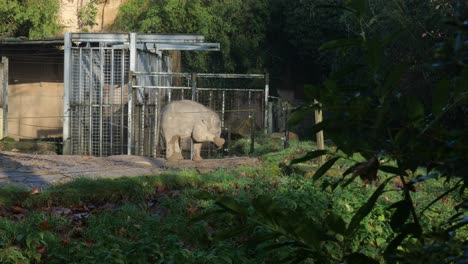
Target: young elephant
<point>187,118</point>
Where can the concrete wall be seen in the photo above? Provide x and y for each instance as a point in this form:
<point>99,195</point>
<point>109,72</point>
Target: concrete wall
<point>35,98</point>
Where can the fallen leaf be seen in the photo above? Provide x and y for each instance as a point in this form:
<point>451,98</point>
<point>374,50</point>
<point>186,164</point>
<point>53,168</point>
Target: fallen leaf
<point>122,231</point>
<point>35,190</point>
<point>41,249</point>
<point>45,226</point>
<point>89,243</point>
<point>192,210</point>
<point>367,171</point>
<point>65,239</point>
<point>19,210</point>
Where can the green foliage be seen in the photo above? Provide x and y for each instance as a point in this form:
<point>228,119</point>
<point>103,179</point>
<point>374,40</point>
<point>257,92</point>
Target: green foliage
<point>87,15</point>
<point>256,215</point>
<point>33,19</point>
<point>388,120</point>
<point>238,25</point>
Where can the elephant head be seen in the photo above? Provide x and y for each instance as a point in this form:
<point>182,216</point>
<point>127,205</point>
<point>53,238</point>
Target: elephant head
<point>209,129</point>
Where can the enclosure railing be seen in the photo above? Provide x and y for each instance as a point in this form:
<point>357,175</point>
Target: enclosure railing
<point>240,100</point>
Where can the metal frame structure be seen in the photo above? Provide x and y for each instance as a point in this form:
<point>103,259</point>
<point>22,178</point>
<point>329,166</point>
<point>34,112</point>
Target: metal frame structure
<point>240,100</point>
<point>89,80</point>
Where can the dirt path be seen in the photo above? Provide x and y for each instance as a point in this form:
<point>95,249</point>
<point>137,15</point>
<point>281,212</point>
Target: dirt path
<point>45,170</point>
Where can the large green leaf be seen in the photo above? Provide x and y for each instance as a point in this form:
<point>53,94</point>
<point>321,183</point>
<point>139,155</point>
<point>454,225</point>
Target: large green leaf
<point>361,7</point>
<point>401,215</point>
<point>298,116</point>
<point>359,258</point>
<point>440,97</point>
<point>234,232</point>
<point>374,54</point>
<point>324,168</point>
<point>391,170</point>
<point>309,156</point>
<point>336,223</point>
<point>415,109</point>
<point>365,209</point>
<point>390,251</point>
<point>231,205</point>
<point>341,43</point>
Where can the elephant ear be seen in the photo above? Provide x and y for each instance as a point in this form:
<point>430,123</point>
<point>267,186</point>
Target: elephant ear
<point>205,122</point>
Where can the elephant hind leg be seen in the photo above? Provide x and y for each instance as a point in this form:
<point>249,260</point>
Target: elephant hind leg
<point>173,152</point>
<point>196,151</point>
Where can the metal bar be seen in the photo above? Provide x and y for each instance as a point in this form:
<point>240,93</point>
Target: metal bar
<point>195,46</point>
<point>80,99</point>
<point>111,101</point>
<point>156,124</point>
<point>174,74</point>
<point>206,75</point>
<point>66,94</point>
<point>228,76</point>
<point>252,132</point>
<point>122,103</point>
<point>101,102</point>
<point>147,38</point>
<point>267,91</point>
<point>194,86</point>
<point>199,89</point>
<point>223,108</point>
<point>91,84</point>
<point>130,90</point>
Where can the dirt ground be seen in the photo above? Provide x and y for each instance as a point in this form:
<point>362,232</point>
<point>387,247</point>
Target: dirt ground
<point>45,170</point>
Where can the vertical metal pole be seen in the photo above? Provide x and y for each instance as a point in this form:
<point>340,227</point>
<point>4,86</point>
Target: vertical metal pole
<point>267,91</point>
<point>66,94</point>
<point>194,86</point>
<point>319,135</point>
<point>122,103</point>
<point>223,108</point>
<point>101,100</point>
<point>130,91</point>
<point>194,98</point>
<point>156,123</point>
<point>91,85</point>
<point>80,108</point>
<point>111,102</point>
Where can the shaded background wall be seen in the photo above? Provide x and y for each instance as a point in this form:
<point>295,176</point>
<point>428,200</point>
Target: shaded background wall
<point>35,92</point>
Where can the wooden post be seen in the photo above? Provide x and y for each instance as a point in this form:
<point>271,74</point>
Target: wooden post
<point>319,135</point>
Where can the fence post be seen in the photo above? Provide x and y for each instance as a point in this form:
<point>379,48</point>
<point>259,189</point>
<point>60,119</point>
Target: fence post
<point>5,96</point>
<point>130,91</point>
<point>67,60</point>
<point>194,86</point>
<point>319,135</point>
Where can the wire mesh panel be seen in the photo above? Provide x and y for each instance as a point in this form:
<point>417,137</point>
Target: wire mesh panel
<point>238,99</point>
<point>98,99</point>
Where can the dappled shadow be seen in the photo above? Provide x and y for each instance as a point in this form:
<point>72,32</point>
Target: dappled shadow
<point>13,172</point>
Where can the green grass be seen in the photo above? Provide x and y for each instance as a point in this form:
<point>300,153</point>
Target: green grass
<point>149,219</point>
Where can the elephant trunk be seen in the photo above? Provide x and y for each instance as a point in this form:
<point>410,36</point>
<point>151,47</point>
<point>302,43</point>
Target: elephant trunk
<point>219,142</point>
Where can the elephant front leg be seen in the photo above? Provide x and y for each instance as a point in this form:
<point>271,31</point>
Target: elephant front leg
<point>173,151</point>
<point>196,151</point>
